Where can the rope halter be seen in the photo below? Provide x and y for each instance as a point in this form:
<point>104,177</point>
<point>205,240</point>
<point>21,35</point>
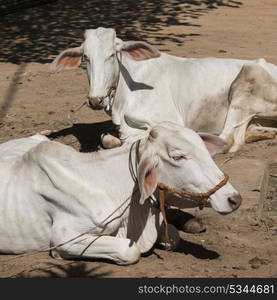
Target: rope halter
<point>201,197</point>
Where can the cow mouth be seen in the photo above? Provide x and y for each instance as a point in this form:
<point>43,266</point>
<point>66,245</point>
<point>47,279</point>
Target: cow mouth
<point>95,106</point>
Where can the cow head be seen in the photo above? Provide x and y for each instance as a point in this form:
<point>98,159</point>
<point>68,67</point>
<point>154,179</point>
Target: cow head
<point>100,50</point>
<point>179,158</point>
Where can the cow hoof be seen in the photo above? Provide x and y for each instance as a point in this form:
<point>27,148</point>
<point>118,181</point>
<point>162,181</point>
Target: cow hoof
<point>173,237</point>
<point>108,141</point>
<point>46,132</point>
<point>193,225</point>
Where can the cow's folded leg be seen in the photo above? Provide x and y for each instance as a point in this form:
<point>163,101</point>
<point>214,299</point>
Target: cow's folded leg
<point>235,127</point>
<point>184,221</point>
<point>239,137</point>
<point>109,141</point>
<point>120,250</point>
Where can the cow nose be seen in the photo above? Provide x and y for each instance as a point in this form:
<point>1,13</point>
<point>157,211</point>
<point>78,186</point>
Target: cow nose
<point>95,100</point>
<point>235,201</point>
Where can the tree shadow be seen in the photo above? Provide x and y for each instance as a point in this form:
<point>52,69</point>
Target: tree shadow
<point>39,33</point>
<point>9,97</point>
<point>196,250</point>
<point>72,269</point>
<point>88,135</point>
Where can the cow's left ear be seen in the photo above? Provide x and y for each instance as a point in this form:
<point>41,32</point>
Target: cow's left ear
<point>68,59</point>
<point>138,50</point>
<point>213,143</point>
<point>147,178</point>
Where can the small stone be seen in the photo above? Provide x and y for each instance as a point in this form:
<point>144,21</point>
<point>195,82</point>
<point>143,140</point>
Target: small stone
<point>239,268</point>
<point>256,262</point>
<point>255,266</point>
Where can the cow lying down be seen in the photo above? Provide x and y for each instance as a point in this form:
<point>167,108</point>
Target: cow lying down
<point>133,79</point>
<point>97,205</point>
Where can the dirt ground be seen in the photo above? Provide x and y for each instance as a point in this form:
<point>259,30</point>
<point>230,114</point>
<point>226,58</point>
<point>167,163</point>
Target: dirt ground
<point>33,99</point>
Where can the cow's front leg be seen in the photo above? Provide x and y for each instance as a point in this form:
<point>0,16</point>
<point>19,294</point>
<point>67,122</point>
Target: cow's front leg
<point>110,139</point>
<point>184,221</point>
<point>120,250</point>
<point>174,237</point>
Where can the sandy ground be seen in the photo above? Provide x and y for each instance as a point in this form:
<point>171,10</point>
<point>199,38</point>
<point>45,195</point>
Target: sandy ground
<point>33,99</point>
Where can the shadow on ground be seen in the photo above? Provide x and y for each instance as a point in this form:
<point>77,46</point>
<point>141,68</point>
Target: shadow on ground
<point>39,33</point>
<point>72,269</point>
<point>88,135</point>
<point>196,250</point>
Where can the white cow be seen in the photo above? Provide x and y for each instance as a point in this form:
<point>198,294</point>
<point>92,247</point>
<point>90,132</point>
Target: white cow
<point>214,95</point>
<point>94,205</point>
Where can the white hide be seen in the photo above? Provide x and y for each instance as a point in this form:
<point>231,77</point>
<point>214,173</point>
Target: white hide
<point>50,193</point>
<point>193,92</point>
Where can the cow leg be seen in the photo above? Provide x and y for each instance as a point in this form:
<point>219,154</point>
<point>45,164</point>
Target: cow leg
<point>184,221</point>
<point>236,123</point>
<point>109,141</point>
<point>120,250</point>
<point>174,237</point>
<point>239,137</point>
<point>252,93</point>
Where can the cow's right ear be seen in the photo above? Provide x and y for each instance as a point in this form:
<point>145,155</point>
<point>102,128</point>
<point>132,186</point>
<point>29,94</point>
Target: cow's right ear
<point>147,178</point>
<point>67,60</point>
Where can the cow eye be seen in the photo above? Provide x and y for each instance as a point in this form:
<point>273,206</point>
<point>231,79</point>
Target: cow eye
<point>112,55</point>
<point>179,157</point>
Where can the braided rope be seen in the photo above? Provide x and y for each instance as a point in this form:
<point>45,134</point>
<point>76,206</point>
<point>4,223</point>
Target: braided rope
<point>201,197</point>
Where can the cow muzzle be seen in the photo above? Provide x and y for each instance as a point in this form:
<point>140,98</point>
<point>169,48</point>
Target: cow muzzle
<point>96,103</point>
<point>235,201</point>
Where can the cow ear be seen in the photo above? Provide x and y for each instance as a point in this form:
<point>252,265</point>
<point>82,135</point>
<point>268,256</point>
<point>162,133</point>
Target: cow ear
<point>214,143</point>
<point>138,50</point>
<point>67,60</point>
<point>147,178</point>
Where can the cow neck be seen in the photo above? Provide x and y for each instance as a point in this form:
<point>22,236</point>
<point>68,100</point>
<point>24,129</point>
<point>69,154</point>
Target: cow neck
<point>113,90</point>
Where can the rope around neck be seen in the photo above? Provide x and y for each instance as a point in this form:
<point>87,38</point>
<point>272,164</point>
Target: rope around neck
<point>112,92</point>
<point>201,197</point>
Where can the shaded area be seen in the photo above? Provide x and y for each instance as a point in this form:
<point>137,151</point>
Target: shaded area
<point>75,269</point>
<point>8,6</point>
<point>88,135</point>
<point>196,250</point>
<point>38,34</point>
